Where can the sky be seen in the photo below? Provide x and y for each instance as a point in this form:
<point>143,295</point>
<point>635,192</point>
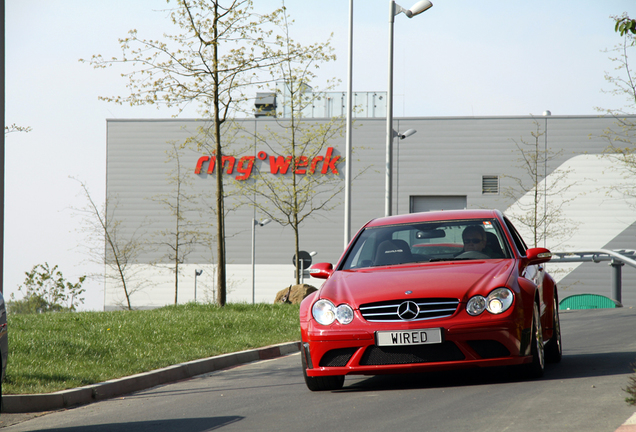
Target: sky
<point>460,58</point>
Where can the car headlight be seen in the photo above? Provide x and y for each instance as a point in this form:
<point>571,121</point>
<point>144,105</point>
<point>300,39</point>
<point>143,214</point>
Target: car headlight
<point>476,305</point>
<point>498,301</point>
<point>325,313</point>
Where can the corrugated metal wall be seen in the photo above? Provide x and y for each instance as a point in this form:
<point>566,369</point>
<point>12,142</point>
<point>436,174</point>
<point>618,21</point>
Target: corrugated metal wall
<point>446,157</point>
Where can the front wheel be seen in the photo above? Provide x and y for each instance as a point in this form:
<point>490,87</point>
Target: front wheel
<point>323,383</point>
<point>537,367</point>
<point>554,349</point>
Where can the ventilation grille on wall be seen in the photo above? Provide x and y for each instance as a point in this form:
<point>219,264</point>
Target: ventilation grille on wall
<point>490,185</point>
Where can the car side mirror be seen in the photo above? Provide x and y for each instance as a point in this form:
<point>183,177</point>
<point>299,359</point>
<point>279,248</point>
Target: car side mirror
<point>538,256</point>
<point>321,270</point>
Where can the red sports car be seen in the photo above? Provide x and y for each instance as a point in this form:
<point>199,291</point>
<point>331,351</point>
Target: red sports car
<point>431,291</point>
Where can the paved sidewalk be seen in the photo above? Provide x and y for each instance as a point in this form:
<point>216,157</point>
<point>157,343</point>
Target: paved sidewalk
<point>108,389</point>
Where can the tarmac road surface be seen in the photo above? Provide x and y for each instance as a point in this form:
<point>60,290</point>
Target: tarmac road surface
<point>582,393</point>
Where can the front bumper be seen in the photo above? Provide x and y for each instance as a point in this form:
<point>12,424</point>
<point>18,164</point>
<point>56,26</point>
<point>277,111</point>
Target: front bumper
<point>480,344</point>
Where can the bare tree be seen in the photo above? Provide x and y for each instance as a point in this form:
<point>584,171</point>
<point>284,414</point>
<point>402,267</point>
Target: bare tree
<point>110,245</point>
<point>622,136</point>
<point>183,206</point>
<point>542,214</point>
<point>305,178</point>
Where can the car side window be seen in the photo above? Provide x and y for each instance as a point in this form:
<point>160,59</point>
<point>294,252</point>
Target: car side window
<point>521,246</point>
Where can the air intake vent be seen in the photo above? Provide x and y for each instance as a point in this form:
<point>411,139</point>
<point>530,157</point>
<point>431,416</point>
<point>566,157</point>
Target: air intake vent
<point>490,185</point>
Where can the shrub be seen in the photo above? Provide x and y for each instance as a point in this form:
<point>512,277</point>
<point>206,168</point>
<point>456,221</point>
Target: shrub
<point>46,290</point>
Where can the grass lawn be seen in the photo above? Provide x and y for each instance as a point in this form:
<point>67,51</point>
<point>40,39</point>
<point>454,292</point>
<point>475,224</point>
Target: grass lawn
<point>55,351</point>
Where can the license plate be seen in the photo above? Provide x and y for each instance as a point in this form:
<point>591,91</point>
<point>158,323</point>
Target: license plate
<point>409,337</point>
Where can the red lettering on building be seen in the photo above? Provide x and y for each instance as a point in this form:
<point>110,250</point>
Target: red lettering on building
<point>244,167</point>
<point>277,164</point>
<point>315,161</point>
<point>301,162</point>
<point>200,162</point>
<point>330,162</point>
<point>230,163</point>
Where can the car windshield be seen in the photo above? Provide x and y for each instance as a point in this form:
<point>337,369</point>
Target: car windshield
<point>474,239</point>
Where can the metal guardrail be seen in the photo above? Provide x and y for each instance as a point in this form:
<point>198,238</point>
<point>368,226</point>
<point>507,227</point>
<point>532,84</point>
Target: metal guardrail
<point>617,258</point>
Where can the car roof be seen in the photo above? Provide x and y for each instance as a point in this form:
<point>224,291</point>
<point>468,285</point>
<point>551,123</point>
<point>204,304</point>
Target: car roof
<point>435,216</point>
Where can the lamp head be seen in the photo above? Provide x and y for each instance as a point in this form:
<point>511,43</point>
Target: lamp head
<point>418,8</point>
<point>408,133</point>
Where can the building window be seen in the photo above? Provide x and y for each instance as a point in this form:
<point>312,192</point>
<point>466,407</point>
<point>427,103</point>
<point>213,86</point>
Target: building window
<point>490,185</point>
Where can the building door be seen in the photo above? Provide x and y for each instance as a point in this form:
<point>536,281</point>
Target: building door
<point>434,202</point>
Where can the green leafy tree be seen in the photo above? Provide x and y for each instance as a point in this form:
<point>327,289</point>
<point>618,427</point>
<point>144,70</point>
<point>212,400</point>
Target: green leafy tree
<point>45,290</point>
<point>213,61</point>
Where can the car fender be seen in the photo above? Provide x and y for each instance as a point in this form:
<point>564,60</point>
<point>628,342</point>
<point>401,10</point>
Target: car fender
<point>305,306</point>
<point>550,294</point>
<point>529,294</point>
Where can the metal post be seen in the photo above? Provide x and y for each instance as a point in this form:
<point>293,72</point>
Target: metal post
<point>197,273</point>
<point>301,269</point>
<point>545,186</point>
<point>617,280</point>
<point>389,117</point>
<point>253,260</point>
<point>347,215</point>
<point>397,175</point>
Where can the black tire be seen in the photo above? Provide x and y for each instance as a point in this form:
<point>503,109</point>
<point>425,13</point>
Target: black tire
<point>323,383</point>
<point>554,348</point>
<point>537,367</point>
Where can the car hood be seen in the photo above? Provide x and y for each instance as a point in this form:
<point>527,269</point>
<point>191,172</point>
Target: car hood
<point>460,280</point>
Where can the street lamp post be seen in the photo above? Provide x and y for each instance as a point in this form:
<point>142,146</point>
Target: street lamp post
<point>254,224</point>
<point>347,206</point>
<point>546,114</point>
<point>400,136</point>
<point>395,9</point>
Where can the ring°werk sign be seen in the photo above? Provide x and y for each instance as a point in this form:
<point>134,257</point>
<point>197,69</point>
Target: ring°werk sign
<point>277,164</point>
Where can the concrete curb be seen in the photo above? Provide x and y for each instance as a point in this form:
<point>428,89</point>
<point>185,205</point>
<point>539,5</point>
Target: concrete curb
<point>108,389</point>
<point>629,425</point>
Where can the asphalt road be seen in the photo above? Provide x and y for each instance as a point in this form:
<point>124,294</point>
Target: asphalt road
<point>582,393</point>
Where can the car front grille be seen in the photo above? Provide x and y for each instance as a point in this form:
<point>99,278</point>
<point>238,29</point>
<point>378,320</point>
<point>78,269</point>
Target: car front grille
<point>388,311</point>
<point>378,355</point>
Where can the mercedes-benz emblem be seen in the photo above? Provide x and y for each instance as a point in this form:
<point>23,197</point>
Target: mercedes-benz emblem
<point>408,310</point>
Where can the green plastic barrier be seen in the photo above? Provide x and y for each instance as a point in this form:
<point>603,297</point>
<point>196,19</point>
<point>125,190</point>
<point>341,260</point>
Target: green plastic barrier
<point>587,301</point>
